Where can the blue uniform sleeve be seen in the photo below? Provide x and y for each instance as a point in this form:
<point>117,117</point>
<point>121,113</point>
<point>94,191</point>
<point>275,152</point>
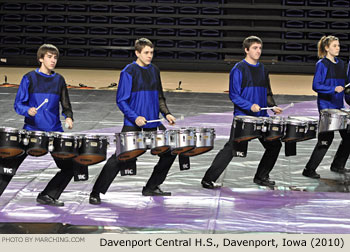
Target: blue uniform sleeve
<point>319,81</point>
<point>21,105</point>
<point>235,90</point>
<point>347,94</point>
<point>123,96</point>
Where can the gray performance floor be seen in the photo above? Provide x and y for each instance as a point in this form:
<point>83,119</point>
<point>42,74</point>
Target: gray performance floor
<point>250,208</point>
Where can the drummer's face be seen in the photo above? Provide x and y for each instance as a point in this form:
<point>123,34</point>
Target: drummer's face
<point>254,52</point>
<point>333,49</point>
<point>144,58</point>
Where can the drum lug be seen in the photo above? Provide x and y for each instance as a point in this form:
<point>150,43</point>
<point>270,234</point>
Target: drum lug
<point>101,145</point>
<point>25,140</point>
<point>51,148</point>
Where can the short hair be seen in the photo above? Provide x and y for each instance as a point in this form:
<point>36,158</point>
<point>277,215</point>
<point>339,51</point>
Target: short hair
<point>322,43</point>
<point>142,43</point>
<point>248,41</point>
<point>46,48</point>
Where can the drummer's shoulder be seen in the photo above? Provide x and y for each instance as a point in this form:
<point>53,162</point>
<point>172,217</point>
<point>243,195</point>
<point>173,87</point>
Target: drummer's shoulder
<point>239,66</point>
<point>130,68</point>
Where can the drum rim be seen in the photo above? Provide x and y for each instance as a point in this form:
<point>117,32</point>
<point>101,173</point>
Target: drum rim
<point>173,131</point>
<point>205,130</point>
<point>304,119</point>
<point>66,135</point>
<point>337,112</point>
<point>249,118</point>
<point>290,121</point>
<point>190,129</point>
<point>11,130</point>
<point>158,132</point>
<point>275,120</point>
<point>129,133</point>
<point>90,136</point>
<point>346,110</point>
<point>37,133</point>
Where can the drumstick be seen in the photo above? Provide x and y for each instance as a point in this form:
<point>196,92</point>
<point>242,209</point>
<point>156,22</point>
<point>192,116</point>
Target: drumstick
<point>159,120</point>
<point>45,101</point>
<point>268,108</point>
<point>347,85</point>
<point>289,106</point>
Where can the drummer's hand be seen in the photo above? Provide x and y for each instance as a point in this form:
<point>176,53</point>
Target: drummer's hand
<point>69,122</point>
<point>339,89</point>
<point>171,119</point>
<point>255,108</point>
<point>140,121</point>
<point>32,111</point>
<point>277,110</point>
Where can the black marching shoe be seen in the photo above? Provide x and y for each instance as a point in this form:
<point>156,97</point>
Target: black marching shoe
<point>210,184</point>
<point>340,170</point>
<point>45,199</point>
<point>95,198</point>
<point>154,192</point>
<point>264,182</point>
<point>311,174</point>
<point>272,182</point>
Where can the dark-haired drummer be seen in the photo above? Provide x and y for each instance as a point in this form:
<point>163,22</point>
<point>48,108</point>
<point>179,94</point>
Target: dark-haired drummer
<point>329,81</point>
<point>249,91</point>
<point>35,87</point>
<point>140,97</point>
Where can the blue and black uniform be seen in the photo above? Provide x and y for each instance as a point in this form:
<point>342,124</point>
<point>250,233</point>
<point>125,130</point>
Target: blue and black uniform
<point>328,76</point>
<point>249,84</point>
<point>34,88</point>
<point>140,93</point>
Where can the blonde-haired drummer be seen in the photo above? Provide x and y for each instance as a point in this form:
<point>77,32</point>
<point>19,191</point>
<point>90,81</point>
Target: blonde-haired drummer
<point>329,81</point>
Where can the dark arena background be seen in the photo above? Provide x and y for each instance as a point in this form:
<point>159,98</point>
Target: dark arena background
<point>197,42</point>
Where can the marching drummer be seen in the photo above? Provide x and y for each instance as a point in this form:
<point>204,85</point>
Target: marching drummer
<point>329,81</point>
<point>38,98</point>
<point>250,90</point>
<point>140,98</point>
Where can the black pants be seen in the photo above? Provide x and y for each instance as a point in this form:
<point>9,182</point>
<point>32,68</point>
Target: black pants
<point>113,166</point>
<point>62,178</point>
<point>324,141</point>
<point>56,185</point>
<point>225,155</point>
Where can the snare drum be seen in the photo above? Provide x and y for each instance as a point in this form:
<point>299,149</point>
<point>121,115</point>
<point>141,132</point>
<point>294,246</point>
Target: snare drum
<point>11,144</point>
<point>332,120</point>
<point>181,140</point>
<point>65,145</point>
<point>159,142</point>
<point>295,130</point>
<point>130,145</point>
<point>311,126</point>
<point>204,142</point>
<point>274,126</point>
<point>38,143</point>
<point>247,128</point>
<point>93,149</point>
